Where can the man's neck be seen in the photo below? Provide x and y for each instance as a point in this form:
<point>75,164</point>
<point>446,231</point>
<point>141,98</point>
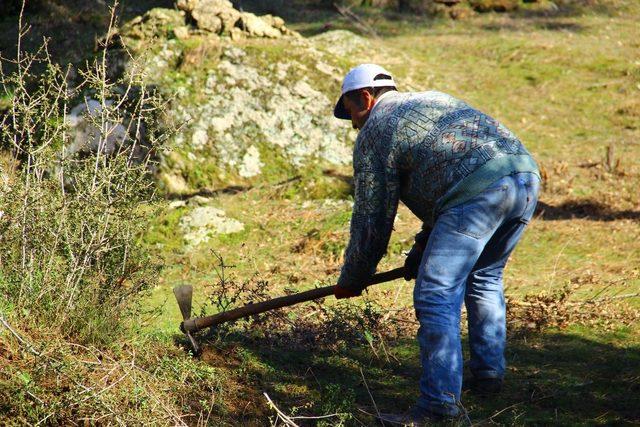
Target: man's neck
<point>380,98</point>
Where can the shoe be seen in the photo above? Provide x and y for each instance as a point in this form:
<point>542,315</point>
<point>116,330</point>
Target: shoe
<point>415,417</point>
<point>484,386</point>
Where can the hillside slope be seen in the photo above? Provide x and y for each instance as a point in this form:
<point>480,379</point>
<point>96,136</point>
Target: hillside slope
<point>260,149</point>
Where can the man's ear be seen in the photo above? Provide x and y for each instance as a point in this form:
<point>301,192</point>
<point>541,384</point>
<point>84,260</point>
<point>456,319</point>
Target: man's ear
<point>369,100</point>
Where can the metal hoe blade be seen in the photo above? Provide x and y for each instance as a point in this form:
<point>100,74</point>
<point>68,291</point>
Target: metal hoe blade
<point>184,296</point>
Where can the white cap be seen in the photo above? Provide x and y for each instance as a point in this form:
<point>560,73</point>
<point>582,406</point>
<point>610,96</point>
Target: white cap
<point>360,77</point>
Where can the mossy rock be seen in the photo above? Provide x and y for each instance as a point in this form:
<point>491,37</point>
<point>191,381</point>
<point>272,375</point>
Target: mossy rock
<point>256,111</point>
<point>156,23</point>
<point>251,110</point>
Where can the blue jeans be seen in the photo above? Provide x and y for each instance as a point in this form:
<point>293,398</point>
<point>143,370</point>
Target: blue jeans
<point>464,259</point>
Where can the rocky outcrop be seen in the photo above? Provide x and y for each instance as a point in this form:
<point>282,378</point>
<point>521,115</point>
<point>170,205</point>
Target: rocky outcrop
<point>255,115</point>
<point>220,17</point>
<point>157,23</point>
<point>200,16</point>
<point>255,110</point>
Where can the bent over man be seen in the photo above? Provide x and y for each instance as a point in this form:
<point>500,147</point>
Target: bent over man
<point>474,186</point>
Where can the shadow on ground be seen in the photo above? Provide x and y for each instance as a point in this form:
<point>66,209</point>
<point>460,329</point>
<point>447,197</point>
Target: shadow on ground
<point>73,26</point>
<point>311,18</point>
<point>584,209</point>
<point>551,24</point>
<point>559,377</point>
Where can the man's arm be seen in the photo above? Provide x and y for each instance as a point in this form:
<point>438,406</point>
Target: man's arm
<point>374,210</point>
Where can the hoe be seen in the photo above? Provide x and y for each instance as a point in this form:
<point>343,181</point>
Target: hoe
<point>190,326</point>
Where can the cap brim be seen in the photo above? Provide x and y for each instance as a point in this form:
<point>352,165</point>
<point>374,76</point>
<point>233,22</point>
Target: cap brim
<point>339,111</point>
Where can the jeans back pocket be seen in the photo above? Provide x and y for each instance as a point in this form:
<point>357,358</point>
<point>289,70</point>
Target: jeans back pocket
<point>486,211</point>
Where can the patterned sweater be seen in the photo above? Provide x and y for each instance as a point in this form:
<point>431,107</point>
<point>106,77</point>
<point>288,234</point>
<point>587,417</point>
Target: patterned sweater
<point>430,150</point>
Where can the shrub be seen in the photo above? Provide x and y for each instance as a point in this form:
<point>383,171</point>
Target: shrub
<point>70,216</point>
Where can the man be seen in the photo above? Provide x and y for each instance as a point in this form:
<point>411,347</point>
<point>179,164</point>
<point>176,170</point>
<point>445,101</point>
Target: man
<point>474,186</point>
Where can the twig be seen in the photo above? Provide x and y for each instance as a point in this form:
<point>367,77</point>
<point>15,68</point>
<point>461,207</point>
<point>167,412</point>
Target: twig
<point>623,296</point>
<point>514,405</point>
<point>370,342</point>
<point>555,266</point>
<point>501,411</point>
<point>44,419</point>
<point>18,337</point>
<point>359,22</point>
<point>384,348</point>
<point>319,417</point>
<point>287,420</point>
<point>411,322</point>
<point>371,396</point>
<point>100,392</point>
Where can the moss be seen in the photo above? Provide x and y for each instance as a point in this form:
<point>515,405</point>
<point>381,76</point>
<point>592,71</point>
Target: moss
<point>164,231</point>
<point>232,239</point>
<point>326,187</point>
<point>177,80</point>
<point>317,182</point>
<point>205,173</point>
<point>276,166</point>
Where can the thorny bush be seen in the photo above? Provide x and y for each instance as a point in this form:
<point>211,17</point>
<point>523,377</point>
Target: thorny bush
<point>70,218</point>
<point>313,325</point>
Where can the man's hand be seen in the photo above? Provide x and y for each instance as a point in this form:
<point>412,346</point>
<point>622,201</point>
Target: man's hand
<point>341,293</point>
<point>412,263</point>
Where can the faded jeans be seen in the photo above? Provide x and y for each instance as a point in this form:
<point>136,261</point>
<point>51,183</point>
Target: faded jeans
<point>464,259</point>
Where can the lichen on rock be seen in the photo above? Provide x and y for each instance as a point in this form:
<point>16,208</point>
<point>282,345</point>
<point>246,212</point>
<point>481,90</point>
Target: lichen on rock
<point>203,221</point>
<point>260,108</point>
<point>251,163</point>
<point>247,105</point>
<point>341,42</point>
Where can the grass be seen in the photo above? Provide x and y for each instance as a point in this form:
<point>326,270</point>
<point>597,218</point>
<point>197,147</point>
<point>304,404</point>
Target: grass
<point>566,92</point>
<point>550,379</point>
<point>565,83</point>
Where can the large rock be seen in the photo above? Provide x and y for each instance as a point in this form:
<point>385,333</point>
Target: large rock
<point>220,17</point>
<point>84,126</point>
<point>217,16</point>
<point>257,27</point>
<point>156,23</point>
<point>204,221</point>
<point>257,116</point>
<point>259,110</point>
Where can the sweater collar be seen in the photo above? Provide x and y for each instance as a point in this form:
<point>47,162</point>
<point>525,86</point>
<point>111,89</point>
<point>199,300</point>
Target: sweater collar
<point>383,96</point>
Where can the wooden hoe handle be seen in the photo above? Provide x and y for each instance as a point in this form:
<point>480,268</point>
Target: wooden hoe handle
<point>199,323</point>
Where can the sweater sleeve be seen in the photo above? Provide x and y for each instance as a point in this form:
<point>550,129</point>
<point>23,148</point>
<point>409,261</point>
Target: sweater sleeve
<point>376,182</point>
